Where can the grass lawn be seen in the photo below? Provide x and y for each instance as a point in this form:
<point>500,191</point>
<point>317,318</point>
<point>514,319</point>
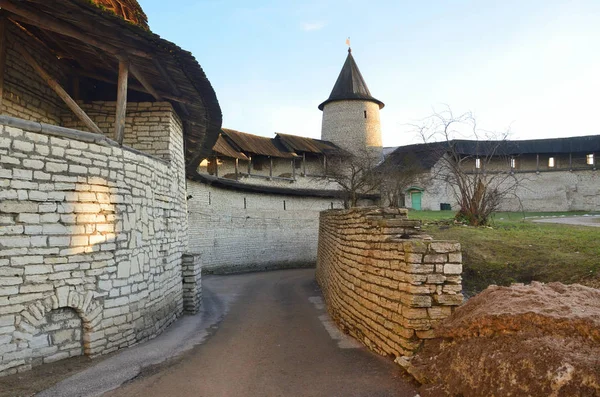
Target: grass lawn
<point>515,249</point>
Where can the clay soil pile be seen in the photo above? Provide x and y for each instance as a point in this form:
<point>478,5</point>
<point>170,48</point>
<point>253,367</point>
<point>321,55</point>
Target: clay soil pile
<point>536,340</point>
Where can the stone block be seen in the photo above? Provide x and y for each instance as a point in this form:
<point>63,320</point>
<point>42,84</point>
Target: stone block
<point>450,300</point>
<point>450,268</point>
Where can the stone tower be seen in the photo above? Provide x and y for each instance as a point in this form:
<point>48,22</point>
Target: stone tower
<point>351,114</point>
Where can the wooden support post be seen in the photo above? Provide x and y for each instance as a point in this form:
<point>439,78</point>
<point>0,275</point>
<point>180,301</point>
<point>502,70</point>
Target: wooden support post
<point>293,169</point>
<point>570,161</point>
<point>3,32</point>
<point>537,163</point>
<point>325,164</point>
<point>121,101</point>
<point>216,166</point>
<point>270,167</point>
<point>236,169</point>
<point>135,87</point>
<point>303,163</point>
<point>249,164</point>
<point>58,89</point>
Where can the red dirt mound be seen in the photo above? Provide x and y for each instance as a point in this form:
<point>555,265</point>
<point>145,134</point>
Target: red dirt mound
<point>536,340</point>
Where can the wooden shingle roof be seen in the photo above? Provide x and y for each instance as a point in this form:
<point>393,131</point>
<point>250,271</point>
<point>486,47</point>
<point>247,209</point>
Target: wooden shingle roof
<point>88,38</point>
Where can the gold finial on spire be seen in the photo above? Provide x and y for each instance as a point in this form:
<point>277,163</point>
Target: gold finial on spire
<point>348,44</point>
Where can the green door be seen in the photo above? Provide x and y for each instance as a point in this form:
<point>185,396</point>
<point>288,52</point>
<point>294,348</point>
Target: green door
<point>415,198</point>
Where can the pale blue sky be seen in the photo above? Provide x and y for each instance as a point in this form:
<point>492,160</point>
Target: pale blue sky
<point>533,65</point>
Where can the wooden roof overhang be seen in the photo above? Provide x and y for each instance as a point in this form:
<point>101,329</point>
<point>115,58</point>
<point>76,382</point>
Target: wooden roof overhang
<point>309,145</point>
<point>258,145</point>
<point>95,43</point>
<point>222,147</point>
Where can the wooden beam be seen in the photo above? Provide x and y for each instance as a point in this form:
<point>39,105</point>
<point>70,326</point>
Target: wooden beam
<point>237,168</point>
<point>3,31</point>
<point>303,163</point>
<point>167,77</point>
<point>270,167</point>
<point>144,82</point>
<point>29,16</point>
<point>134,87</point>
<point>58,89</point>
<point>121,101</point>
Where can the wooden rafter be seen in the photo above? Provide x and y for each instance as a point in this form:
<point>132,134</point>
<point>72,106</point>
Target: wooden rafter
<point>135,87</point>
<point>2,55</point>
<point>144,82</point>
<point>170,82</point>
<point>55,85</point>
<point>29,16</point>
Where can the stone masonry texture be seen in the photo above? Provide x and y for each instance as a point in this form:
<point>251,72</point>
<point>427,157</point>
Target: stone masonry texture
<point>344,123</point>
<point>91,239</point>
<point>239,231</point>
<point>382,282</point>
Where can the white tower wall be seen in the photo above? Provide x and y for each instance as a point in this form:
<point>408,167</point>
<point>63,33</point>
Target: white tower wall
<point>353,125</point>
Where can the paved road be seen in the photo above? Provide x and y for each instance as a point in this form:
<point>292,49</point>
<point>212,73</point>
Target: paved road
<point>593,221</point>
<point>275,340</point>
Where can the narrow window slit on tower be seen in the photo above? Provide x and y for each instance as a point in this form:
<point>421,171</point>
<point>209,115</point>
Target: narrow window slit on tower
<point>365,114</point>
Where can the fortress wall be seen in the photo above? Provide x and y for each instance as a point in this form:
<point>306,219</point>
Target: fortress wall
<point>231,237</point>
<point>93,228</point>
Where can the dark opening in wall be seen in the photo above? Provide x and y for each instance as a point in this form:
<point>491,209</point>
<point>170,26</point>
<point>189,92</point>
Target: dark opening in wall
<point>365,114</point>
<point>258,163</point>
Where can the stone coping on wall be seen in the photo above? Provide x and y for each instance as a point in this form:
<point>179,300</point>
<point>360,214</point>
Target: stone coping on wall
<point>384,281</point>
<point>69,133</point>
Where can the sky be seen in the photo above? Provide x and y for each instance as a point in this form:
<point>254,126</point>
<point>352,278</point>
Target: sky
<point>531,66</point>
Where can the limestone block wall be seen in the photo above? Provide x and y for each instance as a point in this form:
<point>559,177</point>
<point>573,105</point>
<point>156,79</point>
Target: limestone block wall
<point>192,282</point>
<point>380,285</point>
<point>237,231</point>
<point>144,123</point>
<point>26,95</point>
<point>98,229</point>
<point>577,190</point>
<point>344,123</point>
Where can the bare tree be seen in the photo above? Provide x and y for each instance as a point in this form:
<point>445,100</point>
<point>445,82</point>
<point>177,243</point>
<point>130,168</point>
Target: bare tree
<point>356,175</point>
<point>397,174</point>
<point>480,172</point>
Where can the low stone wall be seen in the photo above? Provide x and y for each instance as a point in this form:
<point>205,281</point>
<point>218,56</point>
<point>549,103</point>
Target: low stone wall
<point>98,229</point>
<point>382,282</point>
<point>192,282</point>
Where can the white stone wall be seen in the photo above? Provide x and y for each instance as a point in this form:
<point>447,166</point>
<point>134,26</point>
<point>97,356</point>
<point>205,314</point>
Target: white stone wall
<point>26,95</point>
<point>544,191</point>
<point>144,123</point>
<point>344,124</point>
<point>98,229</point>
<point>263,235</point>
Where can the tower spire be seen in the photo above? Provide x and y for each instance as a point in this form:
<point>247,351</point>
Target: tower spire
<point>348,44</point>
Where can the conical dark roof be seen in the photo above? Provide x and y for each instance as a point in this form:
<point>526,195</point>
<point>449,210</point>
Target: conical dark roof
<point>350,85</point>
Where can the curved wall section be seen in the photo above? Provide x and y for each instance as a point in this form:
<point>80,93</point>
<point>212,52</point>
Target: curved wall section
<point>98,229</point>
<point>352,125</point>
<point>238,231</point>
